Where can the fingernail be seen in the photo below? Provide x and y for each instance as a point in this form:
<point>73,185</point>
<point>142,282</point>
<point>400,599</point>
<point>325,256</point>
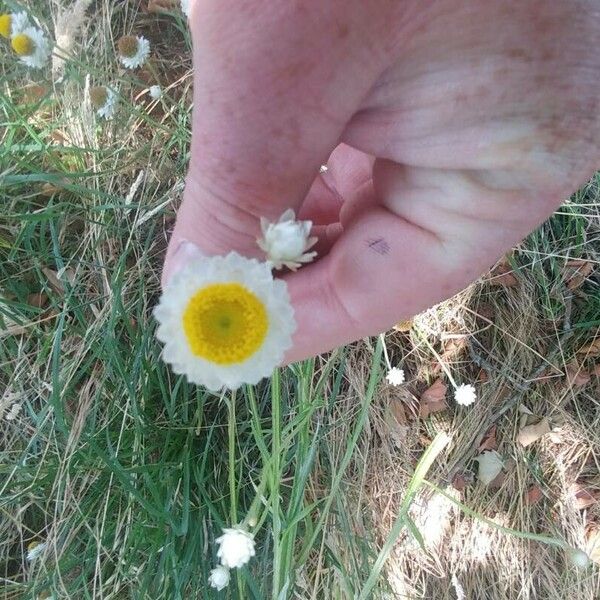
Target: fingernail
<point>185,252</point>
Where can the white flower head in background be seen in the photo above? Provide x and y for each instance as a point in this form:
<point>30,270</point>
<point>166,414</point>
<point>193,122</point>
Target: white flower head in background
<point>395,376</point>
<point>465,394</point>
<point>286,242</point>
<point>186,6</point>
<point>35,550</point>
<point>236,548</point>
<point>13,24</point>
<point>219,578</point>
<point>224,321</point>
<point>104,101</point>
<point>31,46</point>
<point>155,92</point>
<point>133,51</point>
<point>14,411</point>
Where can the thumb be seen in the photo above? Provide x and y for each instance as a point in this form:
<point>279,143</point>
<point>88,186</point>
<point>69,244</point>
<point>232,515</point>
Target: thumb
<point>274,85</point>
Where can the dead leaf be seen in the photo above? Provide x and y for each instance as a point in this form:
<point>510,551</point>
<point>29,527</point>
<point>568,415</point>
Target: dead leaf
<point>404,326</point>
<point>38,300</point>
<point>460,481</point>
<point>34,93</point>
<point>502,275</point>
<point>55,283</point>
<point>433,399</point>
<point>50,189</point>
<point>482,376</point>
<point>397,410</point>
<point>489,441</point>
<point>576,377</point>
<point>531,433</point>
<point>486,311</point>
<point>596,370</point>
<point>592,534</point>
<point>497,482</point>
<point>583,495</point>
<point>397,423</point>
<point>576,272</point>
<point>534,495</point>
<point>490,466</point>
<point>160,6</point>
<point>591,349</point>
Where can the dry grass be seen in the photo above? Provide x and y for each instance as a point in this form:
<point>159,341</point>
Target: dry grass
<point>524,336</point>
<point>124,471</point>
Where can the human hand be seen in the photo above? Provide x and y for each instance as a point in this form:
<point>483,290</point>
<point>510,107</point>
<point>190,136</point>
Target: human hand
<point>451,129</point>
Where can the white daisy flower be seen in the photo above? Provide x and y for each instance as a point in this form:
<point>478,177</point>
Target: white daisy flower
<point>465,394</point>
<point>35,550</point>
<point>155,92</point>
<point>186,6</point>
<point>13,24</point>
<point>219,578</point>
<point>236,548</point>
<point>286,242</point>
<point>133,51</point>
<point>104,100</point>
<point>32,47</point>
<point>395,376</point>
<point>225,321</point>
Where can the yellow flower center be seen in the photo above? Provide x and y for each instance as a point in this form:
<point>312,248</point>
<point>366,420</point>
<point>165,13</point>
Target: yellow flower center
<point>5,25</point>
<point>23,45</point>
<point>225,323</point>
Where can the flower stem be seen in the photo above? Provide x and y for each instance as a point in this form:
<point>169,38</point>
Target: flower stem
<point>438,357</point>
<point>275,478</point>
<point>231,448</point>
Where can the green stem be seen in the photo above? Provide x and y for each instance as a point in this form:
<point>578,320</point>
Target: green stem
<point>232,482</point>
<point>275,477</point>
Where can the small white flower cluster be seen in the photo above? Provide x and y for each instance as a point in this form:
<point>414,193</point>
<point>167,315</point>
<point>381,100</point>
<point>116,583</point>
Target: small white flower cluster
<point>155,92</point>
<point>236,548</point>
<point>395,376</point>
<point>465,394</point>
<point>28,41</point>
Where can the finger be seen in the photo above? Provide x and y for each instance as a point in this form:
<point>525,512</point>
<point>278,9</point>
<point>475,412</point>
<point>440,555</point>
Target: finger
<point>322,204</point>
<point>276,82</point>
<point>347,171</point>
<point>425,235</point>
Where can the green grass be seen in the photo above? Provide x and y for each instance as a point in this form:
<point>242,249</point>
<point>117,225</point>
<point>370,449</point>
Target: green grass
<point>129,473</point>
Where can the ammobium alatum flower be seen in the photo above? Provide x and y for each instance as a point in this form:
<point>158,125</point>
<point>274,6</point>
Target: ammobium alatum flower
<point>133,51</point>
<point>225,321</point>
<point>287,241</point>
<point>104,100</point>
<point>236,548</point>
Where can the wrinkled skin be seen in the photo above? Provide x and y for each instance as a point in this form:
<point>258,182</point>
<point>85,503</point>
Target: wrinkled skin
<point>451,129</point>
